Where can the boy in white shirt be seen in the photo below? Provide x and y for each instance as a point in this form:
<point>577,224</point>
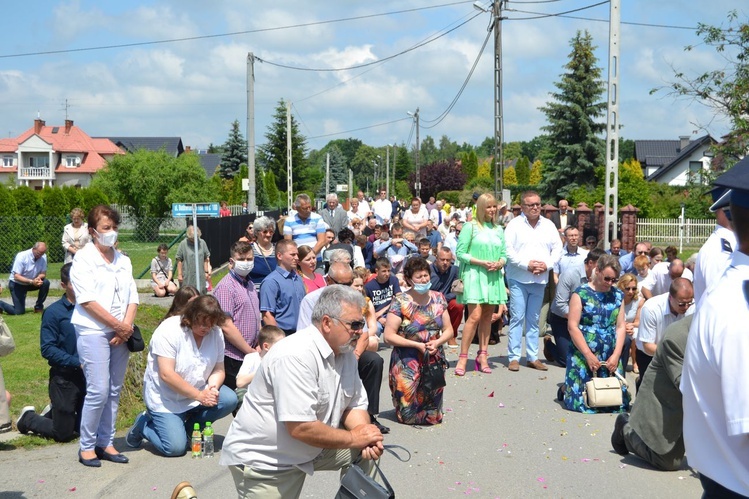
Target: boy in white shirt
<point>266,338</point>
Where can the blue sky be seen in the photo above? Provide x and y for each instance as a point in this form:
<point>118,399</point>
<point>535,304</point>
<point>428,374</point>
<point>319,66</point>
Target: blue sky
<point>195,88</point>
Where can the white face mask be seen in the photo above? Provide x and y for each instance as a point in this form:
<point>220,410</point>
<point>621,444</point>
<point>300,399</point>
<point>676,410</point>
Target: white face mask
<point>107,239</point>
<point>242,268</point>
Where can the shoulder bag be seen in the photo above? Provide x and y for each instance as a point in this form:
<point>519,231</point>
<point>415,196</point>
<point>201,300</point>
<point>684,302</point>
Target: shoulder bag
<point>355,484</point>
<point>135,343</point>
<point>7,343</point>
<point>432,375</point>
<point>604,392</point>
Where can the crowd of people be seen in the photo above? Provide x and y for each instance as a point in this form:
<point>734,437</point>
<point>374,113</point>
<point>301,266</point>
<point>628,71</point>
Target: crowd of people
<point>327,289</point>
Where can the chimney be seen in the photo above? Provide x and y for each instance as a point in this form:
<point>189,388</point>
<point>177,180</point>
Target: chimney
<point>38,125</point>
<point>683,142</point>
<point>68,126</point>
<point>188,149</point>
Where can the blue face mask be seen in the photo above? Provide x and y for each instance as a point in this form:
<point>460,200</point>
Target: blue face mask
<point>422,288</point>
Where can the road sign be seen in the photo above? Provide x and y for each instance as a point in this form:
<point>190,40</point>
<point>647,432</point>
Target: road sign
<point>202,209</point>
<point>245,184</point>
<point>341,187</point>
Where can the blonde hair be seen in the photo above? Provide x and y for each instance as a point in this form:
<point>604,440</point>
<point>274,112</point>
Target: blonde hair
<point>482,202</point>
<point>625,280</point>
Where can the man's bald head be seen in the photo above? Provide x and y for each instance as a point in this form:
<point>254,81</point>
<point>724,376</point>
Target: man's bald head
<point>341,273</point>
<point>676,268</point>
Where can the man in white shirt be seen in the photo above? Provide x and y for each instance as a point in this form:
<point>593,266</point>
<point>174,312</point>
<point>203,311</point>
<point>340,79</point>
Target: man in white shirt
<point>306,409</point>
<point>715,254</point>
<point>656,315</point>
<point>713,383</point>
<point>29,273</point>
<point>660,277</point>
<point>365,211</point>
<point>382,208</point>
<point>533,247</point>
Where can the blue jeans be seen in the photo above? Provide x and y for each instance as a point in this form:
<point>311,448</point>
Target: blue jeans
<point>525,307</point>
<point>169,432</point>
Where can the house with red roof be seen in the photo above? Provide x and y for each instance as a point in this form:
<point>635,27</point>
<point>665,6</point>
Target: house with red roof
<point>54,155</point>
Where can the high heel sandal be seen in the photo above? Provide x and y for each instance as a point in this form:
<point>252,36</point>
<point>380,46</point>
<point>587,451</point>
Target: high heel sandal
<point>459,371</point>
<point>487,369</point>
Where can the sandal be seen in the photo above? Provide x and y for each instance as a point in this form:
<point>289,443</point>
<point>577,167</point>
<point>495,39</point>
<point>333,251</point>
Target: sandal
<point>458,370</point>
<point>486,369</point>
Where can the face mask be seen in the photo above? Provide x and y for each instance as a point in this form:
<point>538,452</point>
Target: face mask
<point>243,268</point>
<point>107,239</point>
<point>422,288</point>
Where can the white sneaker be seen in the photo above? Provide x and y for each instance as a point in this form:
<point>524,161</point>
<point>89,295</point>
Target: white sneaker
<point>20,425</point>
<point>46,410</point>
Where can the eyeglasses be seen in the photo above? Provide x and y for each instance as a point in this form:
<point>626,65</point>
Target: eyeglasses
<point>642,252</point>
<point>631,289</point>
<point>683,304</point>
<point>532,205</point>
<point>351,325</point>
<point>348,283</point>
<point>610,280</point>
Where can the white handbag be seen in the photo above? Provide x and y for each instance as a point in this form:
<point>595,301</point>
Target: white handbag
<point>604,392</point>
<point>7,344</point>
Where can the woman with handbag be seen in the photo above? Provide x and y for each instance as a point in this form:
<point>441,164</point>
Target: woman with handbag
<point>417,326</point>
<point>597,329</point>
<point>482,256</point>
<point>105,307</point>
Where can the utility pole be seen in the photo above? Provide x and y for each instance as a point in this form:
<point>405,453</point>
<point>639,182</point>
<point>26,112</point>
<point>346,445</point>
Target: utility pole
<point>289,185</point>
<point>251,201</point>
<point>387,170</point>
<point>498,128</point>
<point>612,129</point>
<point>327,175</point>
<point>417,184</point>
<point>395,161</point>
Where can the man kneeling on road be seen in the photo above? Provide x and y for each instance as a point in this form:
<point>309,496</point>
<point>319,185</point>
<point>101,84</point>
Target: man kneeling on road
<point>306,409</point>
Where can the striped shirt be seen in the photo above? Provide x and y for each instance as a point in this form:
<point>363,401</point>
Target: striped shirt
<point>304,232</point>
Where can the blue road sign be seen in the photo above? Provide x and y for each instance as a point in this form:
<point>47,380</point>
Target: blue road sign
<point>203,209</point>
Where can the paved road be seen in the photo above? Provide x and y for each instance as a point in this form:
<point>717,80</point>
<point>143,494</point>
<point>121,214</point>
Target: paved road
<point>504,435</point>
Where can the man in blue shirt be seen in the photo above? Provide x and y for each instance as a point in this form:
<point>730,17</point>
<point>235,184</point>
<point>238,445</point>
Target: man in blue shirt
<point>67,385</point>
<point>29,273</point>
<point>282,290</point>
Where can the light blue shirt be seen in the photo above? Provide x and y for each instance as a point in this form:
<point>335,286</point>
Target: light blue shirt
<point>570,259</point>
<point>25,265</point>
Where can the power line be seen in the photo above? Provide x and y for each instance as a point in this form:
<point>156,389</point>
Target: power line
<point>359,129</point>
<point>542,15</point>
<point>234,33</point>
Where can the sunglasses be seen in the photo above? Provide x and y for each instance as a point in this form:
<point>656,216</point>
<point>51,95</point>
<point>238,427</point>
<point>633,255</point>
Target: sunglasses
<point>685,303</point>
<point>631,289</point>
<point>610,280</point>
<point>351,325</point>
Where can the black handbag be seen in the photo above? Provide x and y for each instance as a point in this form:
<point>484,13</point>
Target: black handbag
<point>432,375</point>
<point>135,343</point>
<point>355,484</point>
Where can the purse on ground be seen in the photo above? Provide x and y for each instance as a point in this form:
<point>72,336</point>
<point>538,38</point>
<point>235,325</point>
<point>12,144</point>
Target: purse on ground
<point>7,343</point>
<point>356,484</point>
<point>604,392</point>
<point>135,343</point>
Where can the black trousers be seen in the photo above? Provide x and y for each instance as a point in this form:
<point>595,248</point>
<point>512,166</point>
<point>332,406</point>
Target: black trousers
<point>713,490</point>
<point>67,389</point>
<point>643,361</point>
<point>231,369</point>
<point>370,372</point>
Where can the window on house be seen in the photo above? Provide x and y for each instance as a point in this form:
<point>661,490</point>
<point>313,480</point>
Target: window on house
<point>695,171</point>
<point>72,161</point>
<point>8,161</point>
<point>39,162</point>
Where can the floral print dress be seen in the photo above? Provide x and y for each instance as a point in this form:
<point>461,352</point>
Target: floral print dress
<point>598,326</point>
<point>422,324</point>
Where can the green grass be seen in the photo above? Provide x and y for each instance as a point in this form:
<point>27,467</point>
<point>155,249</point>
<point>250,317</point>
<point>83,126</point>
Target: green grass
<point>27,372</point>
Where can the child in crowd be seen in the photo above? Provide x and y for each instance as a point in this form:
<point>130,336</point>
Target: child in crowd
<point>425,250</point>
<point>370,316</point>
<point>162,273</point>
<point>266,338</point>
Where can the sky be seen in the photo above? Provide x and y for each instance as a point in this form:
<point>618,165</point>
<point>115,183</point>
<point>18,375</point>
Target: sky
<point>179,68</point>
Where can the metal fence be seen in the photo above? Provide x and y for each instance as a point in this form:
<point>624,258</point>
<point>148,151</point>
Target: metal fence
<point>675,231</point>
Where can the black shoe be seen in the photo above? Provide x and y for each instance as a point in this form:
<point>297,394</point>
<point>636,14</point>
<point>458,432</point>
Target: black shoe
<point>92,463</point>
<point>115,458</point>
<point>5,428</point>
<point>383,429</point>
<point>560,394</point>
<point>617,438</point>
<point>20,423</point>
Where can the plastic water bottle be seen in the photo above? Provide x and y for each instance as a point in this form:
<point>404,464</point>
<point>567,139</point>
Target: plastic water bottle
<point>197,442</point>
<point>208,440</point>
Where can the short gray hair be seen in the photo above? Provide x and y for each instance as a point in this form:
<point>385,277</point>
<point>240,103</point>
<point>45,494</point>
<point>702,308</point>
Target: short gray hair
<point>263,223</point>
<point>332,300</point>
<point>301,197</point>
<point>339,255</point>
<point>332,196</point>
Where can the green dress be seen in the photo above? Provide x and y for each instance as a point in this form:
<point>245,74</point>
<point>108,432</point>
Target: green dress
<point>482,243</point>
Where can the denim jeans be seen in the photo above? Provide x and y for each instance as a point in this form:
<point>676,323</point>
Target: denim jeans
<point>525,307</point>
<point>169,432</point>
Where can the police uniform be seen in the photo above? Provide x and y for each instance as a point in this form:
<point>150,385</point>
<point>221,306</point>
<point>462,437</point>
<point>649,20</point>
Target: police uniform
<point>714,255</point>
<point>714,381</point>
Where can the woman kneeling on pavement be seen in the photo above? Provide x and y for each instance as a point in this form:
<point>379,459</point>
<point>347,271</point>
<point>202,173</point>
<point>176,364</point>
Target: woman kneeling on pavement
<point>183,384</point>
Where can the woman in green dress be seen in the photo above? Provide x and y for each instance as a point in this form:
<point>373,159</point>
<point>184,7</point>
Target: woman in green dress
<point>482,256</point>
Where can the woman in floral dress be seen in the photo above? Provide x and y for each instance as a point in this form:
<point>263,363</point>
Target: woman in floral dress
<point>417,324</point>
<point>597,328</point>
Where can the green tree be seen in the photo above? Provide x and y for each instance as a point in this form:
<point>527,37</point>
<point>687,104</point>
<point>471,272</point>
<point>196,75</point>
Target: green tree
<point>234,152</point>
<point>486,148</point>
<point>74,197</point>
<point>428,152</point>
<point>92,196</point>
<point>272,155</point>
<point>261,193</point>
<point>485,169</point>
<point>523,171</point>
<point>512,150</point>
<point>471,165</point>
<point>575,149</point>
<point>536,147</point>
<point>55,211</point>
<point>271,188</point>
<point>29,206</point>
<point>338,170</point>
<point>149,182</point>
<point>403,162</point>
<point>724,89</point>
<point>510,178</point>
<point>534,178</point>
<point>10,243</point>
<point>626,149</point>
<point>447,149</point>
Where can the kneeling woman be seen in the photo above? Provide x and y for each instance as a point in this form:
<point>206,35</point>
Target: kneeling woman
<point>417,326</point>
<point>184,377</point>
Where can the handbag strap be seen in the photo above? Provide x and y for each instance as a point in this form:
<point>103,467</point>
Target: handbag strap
<point>621,378</point>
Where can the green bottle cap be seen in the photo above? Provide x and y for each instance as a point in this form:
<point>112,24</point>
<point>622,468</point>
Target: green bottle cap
<point>196,426</point>
<point>208,424</point>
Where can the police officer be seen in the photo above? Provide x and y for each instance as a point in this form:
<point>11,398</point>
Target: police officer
<point>714,380</point>
<point>715,254</point>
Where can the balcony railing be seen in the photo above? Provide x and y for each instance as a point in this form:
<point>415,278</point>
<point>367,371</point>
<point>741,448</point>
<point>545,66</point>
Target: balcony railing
<point>36,173</point>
